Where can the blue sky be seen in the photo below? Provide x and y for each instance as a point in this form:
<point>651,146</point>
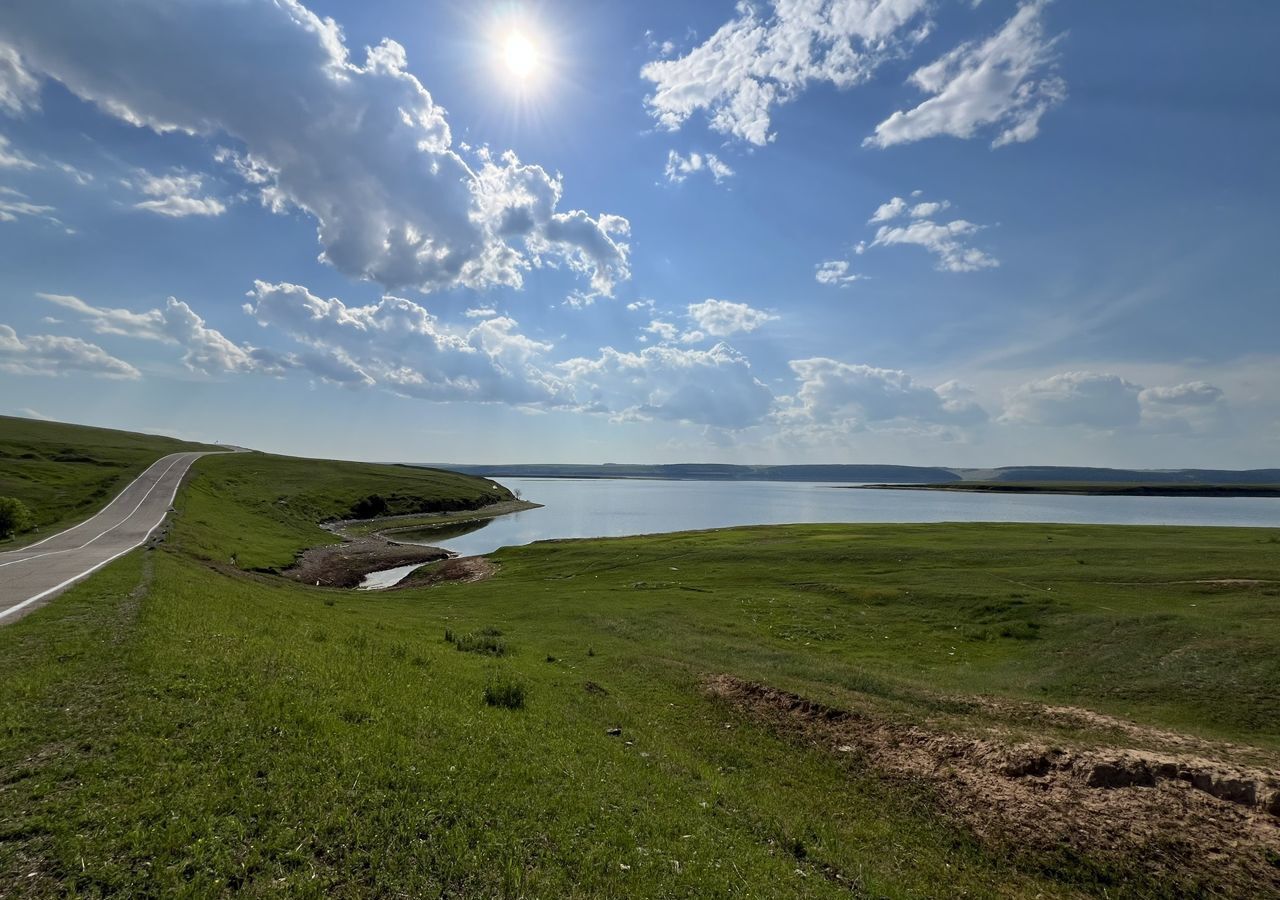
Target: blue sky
<point>802,231</point>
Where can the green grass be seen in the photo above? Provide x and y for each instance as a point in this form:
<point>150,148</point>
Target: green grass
<point>168,728</point>
<point>257,511</point>
<point>64,473</point>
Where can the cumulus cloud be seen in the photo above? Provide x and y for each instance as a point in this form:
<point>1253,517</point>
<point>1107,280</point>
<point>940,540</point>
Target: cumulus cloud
<point>206,349</point>
<point>1094,399</point>
<point>360,146</point>
<point>1193,393</point>
<point>11,158</point>
<point>50,355</point>
<point>1006,81</point>
<point>760,59</point>
<point>706,387</point>
<point>721,318</point>
<point>835,272</point>
<point>1105,401</point>
<point>848,396</point>
<point>19,89</point>
<point>681,167</point>
<point>946,240</point>
<point>902,222</point>
<point>398,344</point>
<point>176,195</point>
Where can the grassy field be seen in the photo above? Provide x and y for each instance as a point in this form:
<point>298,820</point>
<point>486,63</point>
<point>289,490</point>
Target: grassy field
<point>169,728</point>
<point>65,472</point>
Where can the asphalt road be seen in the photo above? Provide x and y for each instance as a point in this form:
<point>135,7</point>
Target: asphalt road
<point>40,571</point>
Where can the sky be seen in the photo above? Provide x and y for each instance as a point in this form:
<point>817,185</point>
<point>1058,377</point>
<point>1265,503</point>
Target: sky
<point>938,232</point>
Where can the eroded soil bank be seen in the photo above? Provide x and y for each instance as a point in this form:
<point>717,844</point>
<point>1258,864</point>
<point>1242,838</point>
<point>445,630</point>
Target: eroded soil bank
<point>345,565</point>
<point>1199,820</point>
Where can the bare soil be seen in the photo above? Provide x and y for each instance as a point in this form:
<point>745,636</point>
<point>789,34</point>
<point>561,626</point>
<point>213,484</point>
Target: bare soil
<point>1196,820</point>
<point>460,569</point>
<point>345,565</point>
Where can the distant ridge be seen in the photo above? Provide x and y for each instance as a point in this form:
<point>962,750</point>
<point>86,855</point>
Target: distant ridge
<point>866,474</point>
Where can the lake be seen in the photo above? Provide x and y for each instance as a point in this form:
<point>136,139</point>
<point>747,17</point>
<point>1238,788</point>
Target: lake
<point>578,508</point>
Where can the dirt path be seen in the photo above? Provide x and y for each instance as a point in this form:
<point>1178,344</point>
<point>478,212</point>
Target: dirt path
<point>1194,820</point>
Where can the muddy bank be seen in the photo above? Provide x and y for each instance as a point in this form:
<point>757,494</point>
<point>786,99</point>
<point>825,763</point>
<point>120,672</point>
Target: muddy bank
<point>460,569</point>
<point>345,565</point>
<point>1195,820</point>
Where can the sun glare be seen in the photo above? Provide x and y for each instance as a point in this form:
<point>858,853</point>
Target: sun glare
<point>520,56</point>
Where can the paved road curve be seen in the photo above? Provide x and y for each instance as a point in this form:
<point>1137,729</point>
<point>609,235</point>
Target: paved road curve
<point>42,570</point>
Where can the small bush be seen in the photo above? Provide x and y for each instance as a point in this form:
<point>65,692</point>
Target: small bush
<point>505,692</point>
<point>15,518</point>
<point>481,643</point>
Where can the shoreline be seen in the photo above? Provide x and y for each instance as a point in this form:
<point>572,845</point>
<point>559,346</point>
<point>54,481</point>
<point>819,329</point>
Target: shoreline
<point>374,549</point>
<point>1085,490</point>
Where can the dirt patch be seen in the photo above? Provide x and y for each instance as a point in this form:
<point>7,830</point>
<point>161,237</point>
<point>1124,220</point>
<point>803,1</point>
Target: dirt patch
<point>345,565</point>
<point>460,569</point>
<point>1185,819</point>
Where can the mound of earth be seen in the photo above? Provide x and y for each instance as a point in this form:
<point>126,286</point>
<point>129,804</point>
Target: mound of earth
<point>1201,822</point>
<point>345,565</point>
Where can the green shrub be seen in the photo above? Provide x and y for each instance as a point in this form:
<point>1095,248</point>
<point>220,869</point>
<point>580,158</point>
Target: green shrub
<point>481,643</point>
<point>505,692</point>
<point>15,518</point>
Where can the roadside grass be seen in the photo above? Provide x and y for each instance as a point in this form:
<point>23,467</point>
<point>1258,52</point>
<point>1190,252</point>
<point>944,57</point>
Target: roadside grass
<point>64,473</point>
<point>257,511</point>
<point>217,731</point>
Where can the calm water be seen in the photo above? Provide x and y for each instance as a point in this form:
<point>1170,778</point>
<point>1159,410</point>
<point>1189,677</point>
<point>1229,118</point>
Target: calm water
<point>576,508</point>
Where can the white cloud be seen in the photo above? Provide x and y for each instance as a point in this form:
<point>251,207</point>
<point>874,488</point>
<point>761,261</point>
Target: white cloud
<point>50,355</point>
<point>759,59</point>
<point>176,195</point>
<point>945,240</point>
<point>1106,401</point>
<point>722,318</point>
<point>948,241</point>
<point>1193,393</point>
<point>844,396</point>
<point>665,331</point>
<point>888,210</point>
<point>928,210</point>
<point>206,349</point>
<point>19,89</point>
<point>705,387</point>
<point>1094,399</point>
<point>681,167</point>
<point>1007,81</point>
<point>482,312</point>
<point>361,147</point>
<point>15,203</point>
<point>398,344</point>
<point>11,158</point>
<point>835,272</point>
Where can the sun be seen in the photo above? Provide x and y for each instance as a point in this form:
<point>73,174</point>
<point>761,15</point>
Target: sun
<point>520,56</point>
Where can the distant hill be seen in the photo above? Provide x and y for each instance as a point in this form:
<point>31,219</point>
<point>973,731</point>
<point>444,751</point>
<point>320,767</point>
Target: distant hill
<point>717,472</point>
<point>873,474</point>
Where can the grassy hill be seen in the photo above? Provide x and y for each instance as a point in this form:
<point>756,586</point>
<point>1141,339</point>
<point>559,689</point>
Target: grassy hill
<point>179,726</point>
<point>259,510</point>
<point>65,473</point>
